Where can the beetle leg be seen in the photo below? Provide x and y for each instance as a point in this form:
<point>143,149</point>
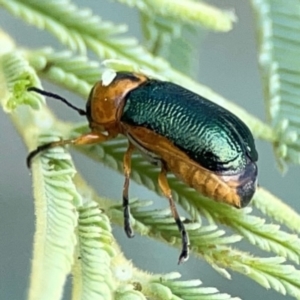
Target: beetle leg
<point>164,186</point>
<point>85,139</point>
<point>126,208</point>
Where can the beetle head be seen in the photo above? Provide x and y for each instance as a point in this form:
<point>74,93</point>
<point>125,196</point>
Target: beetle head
<point>105,102</point>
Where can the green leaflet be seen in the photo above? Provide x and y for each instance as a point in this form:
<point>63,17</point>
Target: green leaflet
<point>191,12</point>
<point>169,39</point>
<point>93,278</point>
<point>56,200</point>
<point>18,76</point>
<point>279,50</point>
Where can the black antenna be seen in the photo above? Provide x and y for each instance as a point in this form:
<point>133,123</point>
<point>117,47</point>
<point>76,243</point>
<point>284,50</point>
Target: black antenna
<point>57,97</point>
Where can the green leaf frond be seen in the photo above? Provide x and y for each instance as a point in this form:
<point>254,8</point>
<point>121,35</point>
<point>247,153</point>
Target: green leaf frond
<point>56,200</point>
<point>18,75</point>
<point>269,272</point>
<point>170,40</point>
<point>279,51</point>
<point>157,31</point>
<point>92,275</point>
<point>192,12</point>
<point>55,195</point>
<point>76,73</point>
<point>168,287</point>
<point>63,21</point>
<point>7,43</point>
<point>268,237</point>
<point>272,206</point>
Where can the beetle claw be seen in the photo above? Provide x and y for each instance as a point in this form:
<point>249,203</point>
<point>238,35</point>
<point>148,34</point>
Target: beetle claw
<point>128,230</point>
<point>184,256</point>
<point>127,226</point>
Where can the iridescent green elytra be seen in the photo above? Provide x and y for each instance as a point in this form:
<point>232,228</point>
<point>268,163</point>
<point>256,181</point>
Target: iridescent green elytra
<point>209,134</point>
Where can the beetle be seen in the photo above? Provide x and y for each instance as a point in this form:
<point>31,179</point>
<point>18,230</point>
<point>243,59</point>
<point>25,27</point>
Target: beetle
<point>201,143</point>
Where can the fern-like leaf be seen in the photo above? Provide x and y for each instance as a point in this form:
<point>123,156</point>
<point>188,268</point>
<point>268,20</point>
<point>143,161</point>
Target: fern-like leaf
<point>169,39</point>
<point>192,12</point>
<point>269,272</point>
<point>279,210</point>
<point>56,200</point>
<point>18,76</point>
<point>93,278</point>
<point>55,195</point>
<point>168,287</point>
<point>277,27</point>
<point>114,160</point>
<point>75,72</point>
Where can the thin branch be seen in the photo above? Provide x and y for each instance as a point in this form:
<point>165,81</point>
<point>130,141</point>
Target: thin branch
<point>196,13</point>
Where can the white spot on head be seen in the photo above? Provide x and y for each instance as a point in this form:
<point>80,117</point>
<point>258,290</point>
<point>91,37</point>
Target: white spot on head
<point>108,76</point>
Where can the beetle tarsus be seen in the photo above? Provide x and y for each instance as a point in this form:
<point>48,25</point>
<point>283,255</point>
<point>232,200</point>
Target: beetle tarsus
<point>184,255</point>
<point>35,152</point>
<point>127,226</point>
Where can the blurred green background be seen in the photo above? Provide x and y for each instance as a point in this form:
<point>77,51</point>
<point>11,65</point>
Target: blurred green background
<point>227,63</point>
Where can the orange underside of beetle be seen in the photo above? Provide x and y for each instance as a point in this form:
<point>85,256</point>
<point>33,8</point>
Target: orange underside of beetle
<point>220,188</point>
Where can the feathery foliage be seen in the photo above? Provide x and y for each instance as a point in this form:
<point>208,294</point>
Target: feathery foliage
<point>192,12</point>
<point>73,232</point>
<point>92,272</point>
<point>55,238</point>
<point>278,27</point>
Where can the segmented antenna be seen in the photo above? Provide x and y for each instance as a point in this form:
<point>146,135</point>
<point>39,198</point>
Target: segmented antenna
<point>57,97</point>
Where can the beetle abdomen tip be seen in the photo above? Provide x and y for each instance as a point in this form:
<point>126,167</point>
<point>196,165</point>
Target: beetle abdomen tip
<point>248,184</point>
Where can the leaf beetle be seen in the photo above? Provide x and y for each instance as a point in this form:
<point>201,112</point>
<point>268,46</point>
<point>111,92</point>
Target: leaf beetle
<point>201,143</point>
